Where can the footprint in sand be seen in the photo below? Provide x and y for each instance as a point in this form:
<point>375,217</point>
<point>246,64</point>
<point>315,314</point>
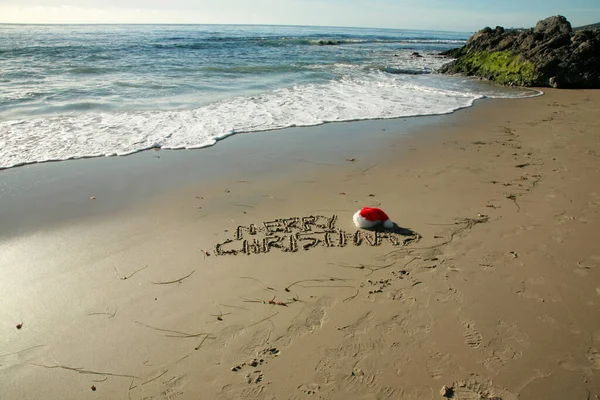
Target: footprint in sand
<point>169,389</point>
<point>393,323</point>
<point>227,334</point>
<point>350,351</point>
<point>359,381</point>
<point>438,364</point>
<point>254,377</point>
<point>310,318</point>
<point>476,389</point>
<point>254,363</point>
<point>256,343</point>
<point>584,267</point>
<point>236,392</point>
<point>363,380</point>
<point>171,394</point>
<point>532,287</point>
<point>548,320</point>
<point>337,363</point>
<point>472,336</point>
<point>311,388</point>
<point>594,356</point>
<point>507,345</point>
<point>271,351</point>
<point>596,338</point>
<point>362,325</point>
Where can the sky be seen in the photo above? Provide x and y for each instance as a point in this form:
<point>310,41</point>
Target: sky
<point>452,15</point>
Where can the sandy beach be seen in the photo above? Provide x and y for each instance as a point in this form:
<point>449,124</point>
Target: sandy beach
<point>236,272</point>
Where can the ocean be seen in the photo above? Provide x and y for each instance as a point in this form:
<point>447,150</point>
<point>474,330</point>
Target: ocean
<point>73,91</point>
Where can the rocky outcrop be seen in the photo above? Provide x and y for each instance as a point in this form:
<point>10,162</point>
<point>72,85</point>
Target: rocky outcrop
<point>551,54</point>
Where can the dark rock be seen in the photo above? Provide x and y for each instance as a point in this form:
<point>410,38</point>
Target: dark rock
<point>327,42</point>
<point>553,26</point>
<point>416,55</point>
<point>551,54</point>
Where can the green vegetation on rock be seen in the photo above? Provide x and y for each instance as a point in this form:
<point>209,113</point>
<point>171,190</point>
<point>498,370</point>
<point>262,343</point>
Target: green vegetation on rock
<point>550,54</point>
<point>502,67</point>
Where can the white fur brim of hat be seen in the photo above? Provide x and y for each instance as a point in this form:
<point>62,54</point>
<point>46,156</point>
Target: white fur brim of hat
<point>363,223</point>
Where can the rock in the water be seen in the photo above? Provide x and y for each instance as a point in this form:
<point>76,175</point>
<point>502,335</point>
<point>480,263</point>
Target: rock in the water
<point>550,54</point>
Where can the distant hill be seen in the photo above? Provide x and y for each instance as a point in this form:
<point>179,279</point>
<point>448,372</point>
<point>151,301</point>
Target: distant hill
<point>591,26</point>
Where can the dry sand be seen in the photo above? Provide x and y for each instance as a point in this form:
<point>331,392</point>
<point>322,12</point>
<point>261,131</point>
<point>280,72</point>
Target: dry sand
<point>494,292</point>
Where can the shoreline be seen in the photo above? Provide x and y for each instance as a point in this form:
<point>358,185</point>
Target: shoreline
<point>214,142</point>
<point>64,184</point>
<point>493,299</point>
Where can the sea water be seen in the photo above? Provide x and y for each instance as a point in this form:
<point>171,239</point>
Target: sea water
<point>72,91</point>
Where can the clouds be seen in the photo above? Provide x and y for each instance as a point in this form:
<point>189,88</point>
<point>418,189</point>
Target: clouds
<point>460,15</point>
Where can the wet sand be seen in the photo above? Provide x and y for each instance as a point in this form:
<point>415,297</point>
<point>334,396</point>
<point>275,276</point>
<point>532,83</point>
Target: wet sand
<point>250,281</point>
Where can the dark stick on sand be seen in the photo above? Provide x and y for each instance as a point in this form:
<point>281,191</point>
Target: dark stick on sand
<point>125,277</point>
<point>175,281</point>
<point>84,371</point>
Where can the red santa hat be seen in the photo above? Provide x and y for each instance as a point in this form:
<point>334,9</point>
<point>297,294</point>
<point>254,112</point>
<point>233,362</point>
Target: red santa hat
<point>369,217</point>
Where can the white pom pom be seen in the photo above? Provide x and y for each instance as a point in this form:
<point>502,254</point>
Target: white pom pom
<point>359,221</point>
<point>388,224</point>
<point>362,222</point>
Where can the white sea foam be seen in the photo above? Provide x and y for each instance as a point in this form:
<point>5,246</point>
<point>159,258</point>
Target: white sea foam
<point>374,95</point>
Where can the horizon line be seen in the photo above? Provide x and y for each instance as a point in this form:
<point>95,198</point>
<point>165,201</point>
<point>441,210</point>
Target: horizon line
<point>222,24</point>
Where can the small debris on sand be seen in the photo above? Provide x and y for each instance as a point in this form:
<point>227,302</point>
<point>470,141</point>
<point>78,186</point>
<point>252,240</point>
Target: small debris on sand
<point>447,392</point>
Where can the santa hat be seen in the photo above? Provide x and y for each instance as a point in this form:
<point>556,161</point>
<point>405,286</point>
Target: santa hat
<point>368,217</point>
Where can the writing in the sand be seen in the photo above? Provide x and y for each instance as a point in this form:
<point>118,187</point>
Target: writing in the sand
<point>292,234</point>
